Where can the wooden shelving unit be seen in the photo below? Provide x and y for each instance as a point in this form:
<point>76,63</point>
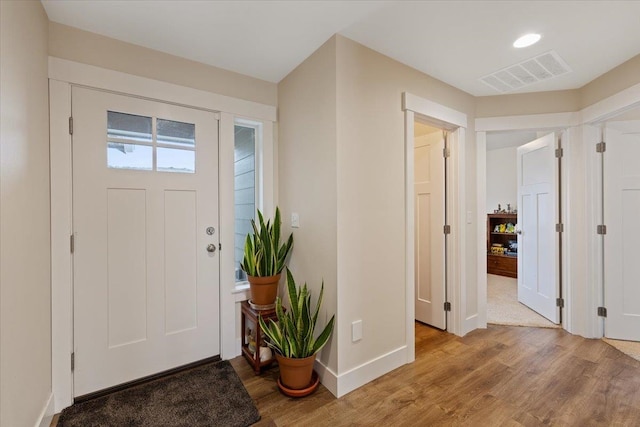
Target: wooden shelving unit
<point>249,316</point>
<point>505,264</point>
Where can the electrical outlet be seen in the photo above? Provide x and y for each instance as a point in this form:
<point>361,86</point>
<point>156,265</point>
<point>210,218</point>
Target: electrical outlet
<point>295,220</point>
<point>356,331</point>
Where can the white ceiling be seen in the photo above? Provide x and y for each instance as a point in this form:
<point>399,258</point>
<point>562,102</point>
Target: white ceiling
<point>454,41</point>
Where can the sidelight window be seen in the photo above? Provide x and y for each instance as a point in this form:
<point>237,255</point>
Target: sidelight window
<point>244,188</point>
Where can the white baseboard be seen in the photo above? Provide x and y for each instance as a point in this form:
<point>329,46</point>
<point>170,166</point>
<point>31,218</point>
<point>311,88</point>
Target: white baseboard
<point>237,350</point>
<point>339,385</point>
<point>328,378</point>
<point>471,323</point>
<point>44,420</point>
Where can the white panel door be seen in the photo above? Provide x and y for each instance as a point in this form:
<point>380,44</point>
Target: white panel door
<point>145,189</point>
<point>621,243</point>
<point>429,222</point>
<point>538,246</point>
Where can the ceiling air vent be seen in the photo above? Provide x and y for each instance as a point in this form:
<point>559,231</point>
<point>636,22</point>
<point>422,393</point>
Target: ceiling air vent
<point>540,68</point>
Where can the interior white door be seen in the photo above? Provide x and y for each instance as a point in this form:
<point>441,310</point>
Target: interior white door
<point>145,190</point>
<point>621,248</point>
<point>538,246</point>
<point>429,222</point>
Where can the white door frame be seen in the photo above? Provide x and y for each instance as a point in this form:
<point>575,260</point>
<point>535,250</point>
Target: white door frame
<point>580,187</point>
<point>62,75</point>
<point>445,118</point>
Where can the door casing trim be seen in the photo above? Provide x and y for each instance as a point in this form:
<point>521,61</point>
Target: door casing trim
<point>63,75</point>
<point>449,119</point>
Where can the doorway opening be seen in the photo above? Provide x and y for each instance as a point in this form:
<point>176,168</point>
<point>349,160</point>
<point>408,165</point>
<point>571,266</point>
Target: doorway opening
<point>462,317</point>
<point>523,243</point>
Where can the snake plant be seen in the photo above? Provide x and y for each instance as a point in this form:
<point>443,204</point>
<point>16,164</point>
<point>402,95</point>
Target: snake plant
<point>293,334</point>
<point>263,254</point>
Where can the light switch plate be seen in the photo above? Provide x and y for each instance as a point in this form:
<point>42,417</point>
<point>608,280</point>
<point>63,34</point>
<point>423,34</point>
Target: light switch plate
<point>356,330</point>
<point>295,220</point>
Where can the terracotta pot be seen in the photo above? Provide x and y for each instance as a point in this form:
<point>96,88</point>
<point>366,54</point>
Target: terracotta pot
<point>264,290</point>
<point>296,373</point>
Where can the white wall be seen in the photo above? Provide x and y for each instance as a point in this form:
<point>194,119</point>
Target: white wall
<point>25,297</point>
<point>502,178</point>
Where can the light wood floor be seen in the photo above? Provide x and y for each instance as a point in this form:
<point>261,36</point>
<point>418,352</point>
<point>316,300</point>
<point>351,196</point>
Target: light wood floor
<point>502,376</point>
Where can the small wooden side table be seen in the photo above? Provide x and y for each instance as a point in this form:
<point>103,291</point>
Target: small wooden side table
<point>251,315</point>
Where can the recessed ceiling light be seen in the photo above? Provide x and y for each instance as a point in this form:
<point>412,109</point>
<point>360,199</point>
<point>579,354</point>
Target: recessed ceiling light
<point>527,40</point>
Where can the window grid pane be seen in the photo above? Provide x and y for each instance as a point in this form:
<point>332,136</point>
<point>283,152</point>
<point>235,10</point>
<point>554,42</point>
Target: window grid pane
<point>129,156</point>
<point>176,133</point>
<point>175,160</point>
<point>128,126</point>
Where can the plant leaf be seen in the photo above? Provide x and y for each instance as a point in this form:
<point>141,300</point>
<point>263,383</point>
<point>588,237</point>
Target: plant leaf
<point>323,338</point>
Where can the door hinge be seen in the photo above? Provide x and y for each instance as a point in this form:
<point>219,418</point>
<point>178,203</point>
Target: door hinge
<point>601,147</point>
<point>73,361</point>
<point>447,306</point>
<point>447,229</point>
<point>602,311</point>
<point>72,243</point>
<point>446,153</point>
<point>70,125</point>
<point>602,229</point>
<point>560,302</point>
<point>560,228</point>
<point>559,152</point>
<point>219,246</point>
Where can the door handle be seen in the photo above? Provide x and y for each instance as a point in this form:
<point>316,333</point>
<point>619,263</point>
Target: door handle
<point>519,231</point>
<point>211,248</point>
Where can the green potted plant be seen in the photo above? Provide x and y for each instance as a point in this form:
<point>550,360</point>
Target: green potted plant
<point>264,259</point>
<point>292,337</point>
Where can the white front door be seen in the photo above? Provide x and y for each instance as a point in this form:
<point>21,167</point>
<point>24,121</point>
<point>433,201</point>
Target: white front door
<point>538,246</point>
<point>145,190</point>
<point>622,240</point>
<point>429,239</point>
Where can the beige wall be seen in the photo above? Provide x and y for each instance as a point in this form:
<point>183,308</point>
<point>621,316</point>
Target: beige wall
<point>561,101</point>
<point>623,76</point>
<point>25,316</point>
<point>341,162</point>
<point>89,48</point>
<point>370,186</point>
<point>307,176</point>
<point>371,226</point>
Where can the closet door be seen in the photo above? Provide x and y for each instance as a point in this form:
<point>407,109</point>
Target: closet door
<point>538,244</point>
<point>621,176</point>
<point>429,239</point>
